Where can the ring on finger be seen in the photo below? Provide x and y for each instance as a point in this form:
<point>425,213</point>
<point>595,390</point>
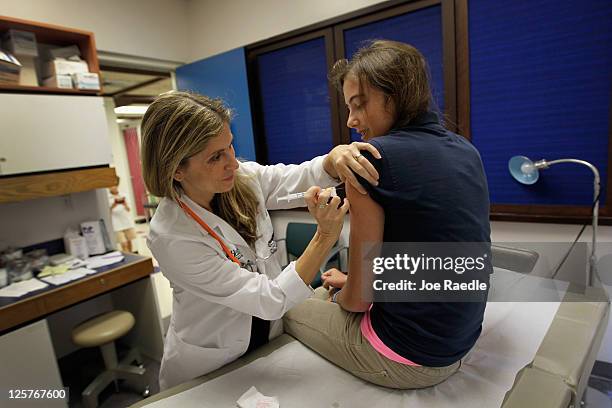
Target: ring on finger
<point>359,156</point>
<point>323,205</point>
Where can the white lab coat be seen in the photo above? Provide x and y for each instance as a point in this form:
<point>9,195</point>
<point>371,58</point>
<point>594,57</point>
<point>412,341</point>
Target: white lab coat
<point>214,298</point>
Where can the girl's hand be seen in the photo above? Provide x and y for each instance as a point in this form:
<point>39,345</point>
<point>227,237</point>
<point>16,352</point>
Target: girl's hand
<point>343,161</point>
<point>333,278</point>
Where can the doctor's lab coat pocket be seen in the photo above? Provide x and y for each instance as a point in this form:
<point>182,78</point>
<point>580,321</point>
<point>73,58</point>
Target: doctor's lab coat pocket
<point>187,361</point>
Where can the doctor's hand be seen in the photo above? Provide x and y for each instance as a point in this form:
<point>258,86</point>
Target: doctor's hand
<point>333,278</point>
<point>327,211</point>
<point>343,160</point>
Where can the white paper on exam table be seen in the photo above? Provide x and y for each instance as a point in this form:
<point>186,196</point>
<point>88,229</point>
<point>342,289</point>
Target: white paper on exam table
<point>511,335</point>
<point>254,399</point>
<point>68,276</point>
<point>18,289</point>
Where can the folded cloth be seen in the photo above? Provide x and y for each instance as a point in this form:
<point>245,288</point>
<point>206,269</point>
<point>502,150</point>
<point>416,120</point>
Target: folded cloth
<point>254,399</point>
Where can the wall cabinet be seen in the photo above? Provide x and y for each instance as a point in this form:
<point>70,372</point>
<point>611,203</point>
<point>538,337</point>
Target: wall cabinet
<point>53,36</point>
<point>52,141</point>
<point>31,344</point>
<point>52,132</point>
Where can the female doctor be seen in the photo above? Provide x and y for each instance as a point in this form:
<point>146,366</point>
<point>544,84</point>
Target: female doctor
<point>212,234</point>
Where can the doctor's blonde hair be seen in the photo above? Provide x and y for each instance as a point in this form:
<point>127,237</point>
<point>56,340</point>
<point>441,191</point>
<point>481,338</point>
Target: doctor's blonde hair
<point>178,125</point>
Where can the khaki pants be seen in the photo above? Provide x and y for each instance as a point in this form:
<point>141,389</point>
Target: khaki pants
<point>335,334</point>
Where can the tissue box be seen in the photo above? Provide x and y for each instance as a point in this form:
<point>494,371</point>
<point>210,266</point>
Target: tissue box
<point>93,234</point>
<point>10,69</point>
<point>63,67</point>
<point>76,246</point>
<point>21,43</point>
<point>86,80</point>
<point>58,81</point>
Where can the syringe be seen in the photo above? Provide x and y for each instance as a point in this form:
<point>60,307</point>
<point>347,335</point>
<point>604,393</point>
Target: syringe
<point>297,196</point>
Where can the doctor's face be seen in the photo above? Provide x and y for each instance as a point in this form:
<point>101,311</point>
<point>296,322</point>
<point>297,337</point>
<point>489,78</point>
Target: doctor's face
<point>371,113</point>
<point>212,170</point>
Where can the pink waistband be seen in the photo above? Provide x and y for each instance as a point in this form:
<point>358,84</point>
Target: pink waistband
<point>368,332</point>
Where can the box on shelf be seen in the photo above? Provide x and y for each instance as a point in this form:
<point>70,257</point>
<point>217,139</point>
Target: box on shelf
<point>64,52</point>
<point>20,43</point>
<point>10,69</point>
<point>28,75</point>
<point>58,81</point>
<point>86,80</point>
<point>61,66</point>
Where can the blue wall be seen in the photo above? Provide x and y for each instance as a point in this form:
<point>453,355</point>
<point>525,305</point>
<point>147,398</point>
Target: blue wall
<point>540,76</point>
<point>295,102</point>
<point>224,76</point>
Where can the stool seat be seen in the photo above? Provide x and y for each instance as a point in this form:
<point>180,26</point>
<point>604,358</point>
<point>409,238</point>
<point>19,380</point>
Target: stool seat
<point>103,329</point>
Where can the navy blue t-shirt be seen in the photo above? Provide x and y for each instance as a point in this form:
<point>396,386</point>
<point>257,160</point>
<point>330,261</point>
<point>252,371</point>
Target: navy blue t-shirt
<point>432,188</point>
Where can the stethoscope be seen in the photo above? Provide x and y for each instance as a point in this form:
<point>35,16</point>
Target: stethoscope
<point>234,255</point>
<point>250,264</point>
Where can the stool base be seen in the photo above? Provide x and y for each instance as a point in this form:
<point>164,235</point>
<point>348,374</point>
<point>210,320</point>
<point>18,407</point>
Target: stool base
<point>121,371</point>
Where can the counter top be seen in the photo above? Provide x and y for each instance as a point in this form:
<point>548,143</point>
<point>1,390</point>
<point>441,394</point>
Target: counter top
<point>34,305</point>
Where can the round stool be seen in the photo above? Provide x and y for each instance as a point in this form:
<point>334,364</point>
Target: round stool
<point>102,331</point>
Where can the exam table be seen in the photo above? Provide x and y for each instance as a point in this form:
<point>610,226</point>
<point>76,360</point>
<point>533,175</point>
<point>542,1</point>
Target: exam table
<point>555,378</point>
<point>530,354</point>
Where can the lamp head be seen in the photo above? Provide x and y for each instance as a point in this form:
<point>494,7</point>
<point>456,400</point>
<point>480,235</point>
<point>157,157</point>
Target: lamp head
<point>523,170</point>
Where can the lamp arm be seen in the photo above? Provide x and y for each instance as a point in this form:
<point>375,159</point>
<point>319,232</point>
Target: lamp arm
<point>543,164</point>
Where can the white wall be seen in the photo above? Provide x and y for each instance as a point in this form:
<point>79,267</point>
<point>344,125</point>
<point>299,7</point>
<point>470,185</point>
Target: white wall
<point>31,222</point>
<point>219,26</point>
<point>179,30</point>
<point>119,158</point>
<point>146,28</point>
<point>516,232</point>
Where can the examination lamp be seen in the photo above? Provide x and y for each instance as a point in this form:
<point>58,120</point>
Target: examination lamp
<point>527,172</point>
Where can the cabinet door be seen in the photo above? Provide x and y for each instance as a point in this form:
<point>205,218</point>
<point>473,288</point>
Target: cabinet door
<point>28,361</point>
<point>51,132</point>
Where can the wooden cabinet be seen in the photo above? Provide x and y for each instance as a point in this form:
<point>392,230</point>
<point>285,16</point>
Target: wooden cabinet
<point>53,141</point>
<point>52,35</point>
<point>28,361</point>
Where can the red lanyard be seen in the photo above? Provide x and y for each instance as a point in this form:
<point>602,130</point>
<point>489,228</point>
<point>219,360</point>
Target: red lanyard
<point>212,233</point>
